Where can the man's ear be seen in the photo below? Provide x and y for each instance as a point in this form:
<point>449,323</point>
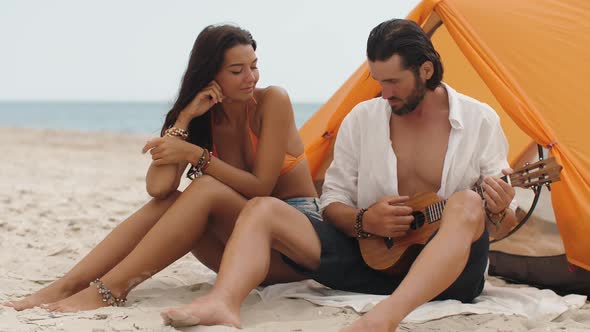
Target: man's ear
<point>427,70</point>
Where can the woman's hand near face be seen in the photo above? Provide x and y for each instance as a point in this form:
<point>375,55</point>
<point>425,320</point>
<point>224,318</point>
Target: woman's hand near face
<point>169,150</point>
<point>203,101</point>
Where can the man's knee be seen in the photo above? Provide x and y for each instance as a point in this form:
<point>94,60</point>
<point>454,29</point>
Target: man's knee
<point>469,204</point>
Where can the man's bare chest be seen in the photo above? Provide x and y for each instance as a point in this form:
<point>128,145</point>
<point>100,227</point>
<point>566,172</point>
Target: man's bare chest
<point>420,159</point>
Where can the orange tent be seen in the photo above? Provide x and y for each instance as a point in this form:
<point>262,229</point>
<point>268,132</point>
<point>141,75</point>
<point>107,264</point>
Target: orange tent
<point>528,60</point>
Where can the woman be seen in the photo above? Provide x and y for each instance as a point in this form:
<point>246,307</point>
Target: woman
<point>242,142</point>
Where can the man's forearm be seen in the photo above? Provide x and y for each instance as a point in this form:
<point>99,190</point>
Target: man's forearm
<point>342,216</point>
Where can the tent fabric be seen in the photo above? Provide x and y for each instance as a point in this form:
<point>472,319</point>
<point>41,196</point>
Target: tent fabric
<point>528,60</point>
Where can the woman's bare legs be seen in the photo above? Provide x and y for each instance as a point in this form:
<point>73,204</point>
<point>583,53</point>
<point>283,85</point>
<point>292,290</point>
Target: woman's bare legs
<point>211,246</point>
<point>264,224</point>
<point>206,203</point>
<point>172,236</point>
<point>108,253</point>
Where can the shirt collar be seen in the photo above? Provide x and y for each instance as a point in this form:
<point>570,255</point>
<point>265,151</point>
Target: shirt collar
<point>455,111</point>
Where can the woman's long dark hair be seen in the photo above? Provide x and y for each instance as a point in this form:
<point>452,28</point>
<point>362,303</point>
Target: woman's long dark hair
<point>205,62</point>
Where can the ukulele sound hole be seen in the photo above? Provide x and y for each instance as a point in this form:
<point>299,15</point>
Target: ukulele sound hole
<point>418,220</point>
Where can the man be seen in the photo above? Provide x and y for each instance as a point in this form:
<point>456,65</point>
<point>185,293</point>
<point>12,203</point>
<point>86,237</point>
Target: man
<point>421,136</point>
<point>441,141</point>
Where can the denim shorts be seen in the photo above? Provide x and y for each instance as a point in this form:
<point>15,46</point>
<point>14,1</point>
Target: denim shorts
<point>306,205</point>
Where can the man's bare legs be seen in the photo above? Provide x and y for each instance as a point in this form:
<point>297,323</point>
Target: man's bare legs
<point>445,256</point>
<point>108,253</point>
<point>264,224</point>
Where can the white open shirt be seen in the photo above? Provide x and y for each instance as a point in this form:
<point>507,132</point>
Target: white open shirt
<point>364,168</point>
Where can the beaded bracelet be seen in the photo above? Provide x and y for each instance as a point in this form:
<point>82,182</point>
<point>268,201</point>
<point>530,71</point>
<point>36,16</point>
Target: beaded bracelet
<point>176,132</point>
<point>197,170</point>
<point>107,295</point>
<point>208,162</point>
<point>358,225</point>
<point>495,218</point>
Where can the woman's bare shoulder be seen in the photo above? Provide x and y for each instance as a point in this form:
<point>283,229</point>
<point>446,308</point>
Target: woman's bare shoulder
<point>271,94</point>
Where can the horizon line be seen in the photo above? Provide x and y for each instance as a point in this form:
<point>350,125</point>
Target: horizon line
<point>106,101</point>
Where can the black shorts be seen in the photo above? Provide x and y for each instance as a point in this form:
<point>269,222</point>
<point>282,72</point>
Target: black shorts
<point>342,267</point>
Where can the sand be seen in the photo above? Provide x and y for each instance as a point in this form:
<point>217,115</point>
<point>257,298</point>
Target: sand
<point>61,192</point>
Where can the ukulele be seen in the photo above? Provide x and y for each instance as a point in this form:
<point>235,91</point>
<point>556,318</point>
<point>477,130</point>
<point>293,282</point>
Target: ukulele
<point>394,256</point>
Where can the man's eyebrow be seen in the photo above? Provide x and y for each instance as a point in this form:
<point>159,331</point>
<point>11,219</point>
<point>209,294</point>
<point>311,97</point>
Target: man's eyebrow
<point>390,79</point>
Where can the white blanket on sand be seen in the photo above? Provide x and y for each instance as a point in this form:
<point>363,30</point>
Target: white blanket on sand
<point>529,302</point>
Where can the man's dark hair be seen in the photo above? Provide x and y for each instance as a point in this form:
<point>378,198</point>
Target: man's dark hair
<point>408,40</point>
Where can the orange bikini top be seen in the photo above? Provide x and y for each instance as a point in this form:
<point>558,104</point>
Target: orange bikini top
<point>289,162</point>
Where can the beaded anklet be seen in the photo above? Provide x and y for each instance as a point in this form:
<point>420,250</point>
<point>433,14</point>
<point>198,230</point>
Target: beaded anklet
<point>106,294</point>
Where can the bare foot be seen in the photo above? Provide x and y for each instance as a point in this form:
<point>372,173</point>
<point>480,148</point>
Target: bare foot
<point>52,293</point>
<point>87,299</point>
<point>205,310</point>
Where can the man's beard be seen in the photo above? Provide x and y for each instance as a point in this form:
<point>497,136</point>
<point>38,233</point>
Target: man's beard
<point>413,100</point>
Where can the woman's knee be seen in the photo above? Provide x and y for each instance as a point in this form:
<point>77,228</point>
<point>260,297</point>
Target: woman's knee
<point>161,194</point>
<point>204,181</point>
<point>261,211</point>
<point>166,198</point>
<point>207,186</point>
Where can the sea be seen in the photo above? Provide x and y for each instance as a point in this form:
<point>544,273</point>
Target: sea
<point>103,116</point>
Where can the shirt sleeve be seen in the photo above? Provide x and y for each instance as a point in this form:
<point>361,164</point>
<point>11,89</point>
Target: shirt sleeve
<point>340,181</point>
<point>494,154</point>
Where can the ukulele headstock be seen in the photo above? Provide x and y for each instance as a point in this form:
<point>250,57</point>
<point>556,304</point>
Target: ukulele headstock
<point>537,174</point>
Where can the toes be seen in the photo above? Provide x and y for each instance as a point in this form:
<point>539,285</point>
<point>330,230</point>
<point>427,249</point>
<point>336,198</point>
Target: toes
<point>58,308</point>
<point>9,304</point>
<point>51,307</point>
<point>167,320</point>
<point>179,318</point>
<point>18,305</point>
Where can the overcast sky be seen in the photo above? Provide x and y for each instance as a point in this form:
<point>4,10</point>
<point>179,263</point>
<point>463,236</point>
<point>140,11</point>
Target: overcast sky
<point>138,50</point>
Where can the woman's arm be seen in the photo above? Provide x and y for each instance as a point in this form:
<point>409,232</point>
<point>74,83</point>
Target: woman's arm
<point>162,180</point>
<point>277,122</point>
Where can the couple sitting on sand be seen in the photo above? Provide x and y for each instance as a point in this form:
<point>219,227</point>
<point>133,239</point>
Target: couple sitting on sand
<point>252,196</point>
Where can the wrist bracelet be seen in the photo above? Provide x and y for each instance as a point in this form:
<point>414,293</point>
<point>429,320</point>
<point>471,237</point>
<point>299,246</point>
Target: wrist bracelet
<point>495,218</point>
<point>197,170</point>
<point>176,132</point>
<point>358,226</point>
<point>209,156</point>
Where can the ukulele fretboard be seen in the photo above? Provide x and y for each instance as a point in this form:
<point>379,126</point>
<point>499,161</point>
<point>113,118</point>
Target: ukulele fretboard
<point>435,211</point>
